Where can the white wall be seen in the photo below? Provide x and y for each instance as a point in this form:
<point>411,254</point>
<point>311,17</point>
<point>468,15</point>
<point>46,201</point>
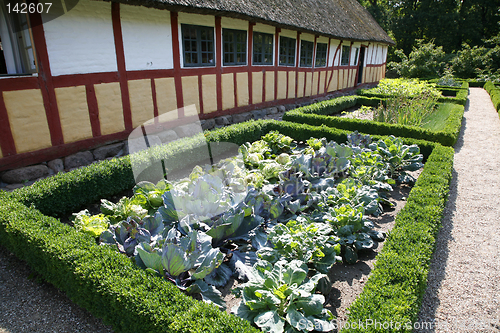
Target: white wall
<point>333,47</point>
<point>355,46</point>
<point>384,53</point>
<point>81,40</point>
<point>147,38</point>
<point>370,54</point>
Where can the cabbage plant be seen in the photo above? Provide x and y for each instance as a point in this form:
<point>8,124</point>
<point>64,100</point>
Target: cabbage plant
<point>126,235</point>
<point>184,260</point>
<point>355,194</point>
<point>399,157</point>
<point>280,298</point>
<point>150,194</point>
<point>353,230</point>
<point>123,209</point>
<point>300,239</point>
<point>93,225</point>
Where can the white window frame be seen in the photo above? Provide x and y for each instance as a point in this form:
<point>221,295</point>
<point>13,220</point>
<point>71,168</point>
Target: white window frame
<point>17,46</point>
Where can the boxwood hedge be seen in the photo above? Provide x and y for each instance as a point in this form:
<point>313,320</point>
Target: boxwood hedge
<point>319,114</point>
<point>494,92</point>
<point>130,299</point>
<point>459,98</point>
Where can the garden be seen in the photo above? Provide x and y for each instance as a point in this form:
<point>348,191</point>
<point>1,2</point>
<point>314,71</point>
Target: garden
<point>251,241</point>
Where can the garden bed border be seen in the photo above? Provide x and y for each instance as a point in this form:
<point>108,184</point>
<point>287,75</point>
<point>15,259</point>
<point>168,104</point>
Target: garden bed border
<point>130,299</point>
<point>318,114</point>
<point>494,92</point>
<point>460,98</point>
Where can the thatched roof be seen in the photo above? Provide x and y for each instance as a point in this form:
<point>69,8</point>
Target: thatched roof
<point>342,19</point>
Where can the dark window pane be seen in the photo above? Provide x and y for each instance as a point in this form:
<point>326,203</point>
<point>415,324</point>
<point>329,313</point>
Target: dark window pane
<point>287,51</point>
<point>321,49</point>
<point>263,49</point>
<point>345,55</point>
<point>234,50</point>
<point>306,53</point>
<point>198,45</point>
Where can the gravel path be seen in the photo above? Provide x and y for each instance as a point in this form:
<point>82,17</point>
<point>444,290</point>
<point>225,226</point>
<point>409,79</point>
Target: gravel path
<point>463,293</point>
<point>29,305</point>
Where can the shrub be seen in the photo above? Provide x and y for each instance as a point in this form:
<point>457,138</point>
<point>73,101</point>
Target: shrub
<point>470,61</point>
<point>403,87</point>
<point>98,278</point>
<point>424,61</point>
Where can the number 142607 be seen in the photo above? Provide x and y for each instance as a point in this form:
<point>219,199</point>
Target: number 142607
<point>24,8</point>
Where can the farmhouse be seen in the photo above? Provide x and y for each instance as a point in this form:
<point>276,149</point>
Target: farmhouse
<point>85,73</point>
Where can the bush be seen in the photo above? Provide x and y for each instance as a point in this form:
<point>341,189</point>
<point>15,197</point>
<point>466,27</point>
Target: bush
<point>471,61</point>
<point>424,61</point>
<point>402,87</point>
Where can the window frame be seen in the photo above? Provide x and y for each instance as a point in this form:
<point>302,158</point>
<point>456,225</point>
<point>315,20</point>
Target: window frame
<point>199,51</point>
<point>286,45</point>
<point>324,53</point>
<point>234,43</point>
<point>306,53</point>
<point>263,46</point>
<point>344,58</point>
<point>18,45</point>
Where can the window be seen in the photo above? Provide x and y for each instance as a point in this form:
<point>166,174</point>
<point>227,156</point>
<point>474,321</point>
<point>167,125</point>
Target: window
<point>262,48</point>
<point>320,55</point>
<point>356,52</point>
<point>344,61</point>
<point>287,51</point>
<point>235,47</point>
<point>198,44</point>
<point>306,53</point>
<point>16,45</point>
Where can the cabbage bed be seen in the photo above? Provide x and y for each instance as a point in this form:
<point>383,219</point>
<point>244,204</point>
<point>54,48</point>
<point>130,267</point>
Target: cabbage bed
<point>278,217</point>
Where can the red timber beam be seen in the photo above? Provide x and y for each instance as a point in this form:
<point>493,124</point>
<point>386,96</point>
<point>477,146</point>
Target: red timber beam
<point>45,81</point>
<point>120,61</point>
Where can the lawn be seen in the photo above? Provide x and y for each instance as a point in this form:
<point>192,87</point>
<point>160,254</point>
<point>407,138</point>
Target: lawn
<point>436,121</point>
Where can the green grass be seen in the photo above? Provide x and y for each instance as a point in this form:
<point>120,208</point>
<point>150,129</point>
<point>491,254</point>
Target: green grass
<point>436,121</point>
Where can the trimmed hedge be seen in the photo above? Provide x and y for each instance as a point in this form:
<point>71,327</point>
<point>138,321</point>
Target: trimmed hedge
<point>105,282</point>
<point>460,98</point>
<point>319,114</point>
<point>395,288</point>
<point>476,83</point>
<point>494,92</point>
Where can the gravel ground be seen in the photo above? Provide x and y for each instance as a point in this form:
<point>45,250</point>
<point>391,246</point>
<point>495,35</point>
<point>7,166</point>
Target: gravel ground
<point>463,292</point>
<point>30,305</point>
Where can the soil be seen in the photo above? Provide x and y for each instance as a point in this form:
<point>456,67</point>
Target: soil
<point>355,112</point>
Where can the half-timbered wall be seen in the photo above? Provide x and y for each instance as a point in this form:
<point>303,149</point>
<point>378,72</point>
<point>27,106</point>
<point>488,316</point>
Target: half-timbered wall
<point>106,68</point>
